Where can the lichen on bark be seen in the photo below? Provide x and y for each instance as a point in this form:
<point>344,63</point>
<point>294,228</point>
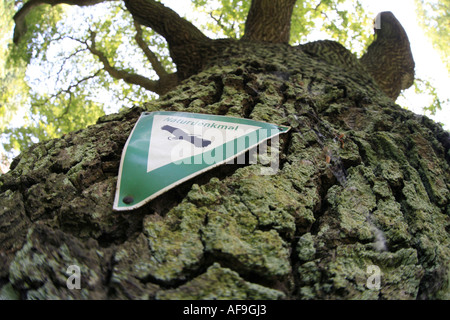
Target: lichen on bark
<point>361,182</point>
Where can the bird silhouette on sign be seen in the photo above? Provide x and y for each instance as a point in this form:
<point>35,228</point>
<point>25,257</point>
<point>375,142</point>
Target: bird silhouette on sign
<point>182,135</point>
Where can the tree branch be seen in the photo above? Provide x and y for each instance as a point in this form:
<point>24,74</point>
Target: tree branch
<point>19,18</point>
<point>151,57</point>
<point>269,21</point>
<point>67,59</point>
<point>183,38</point>
<point>389,59</point>
<point>185,41</point>
<point>68,91</point>
<point>219,22</point>
<point>128,77</point>
<point>176,30</point>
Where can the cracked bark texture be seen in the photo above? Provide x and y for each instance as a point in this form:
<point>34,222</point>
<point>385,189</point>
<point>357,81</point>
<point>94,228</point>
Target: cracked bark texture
<point>361,182</point>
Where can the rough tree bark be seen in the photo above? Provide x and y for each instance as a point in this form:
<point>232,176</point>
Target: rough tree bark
<point>362,183</point>
<point>269,21</point>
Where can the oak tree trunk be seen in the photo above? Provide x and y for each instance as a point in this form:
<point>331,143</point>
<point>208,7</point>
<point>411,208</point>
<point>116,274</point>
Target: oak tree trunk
<point>362,190</point>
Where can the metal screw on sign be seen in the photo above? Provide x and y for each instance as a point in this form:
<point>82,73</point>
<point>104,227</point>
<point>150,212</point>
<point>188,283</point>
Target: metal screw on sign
<point>128,200</point>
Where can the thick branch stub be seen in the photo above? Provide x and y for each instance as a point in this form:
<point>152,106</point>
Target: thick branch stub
<point>389,59</point>
<point>269,21</point>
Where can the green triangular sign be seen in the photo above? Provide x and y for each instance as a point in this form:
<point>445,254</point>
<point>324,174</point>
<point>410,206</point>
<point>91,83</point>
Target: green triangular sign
<point>167,148</point>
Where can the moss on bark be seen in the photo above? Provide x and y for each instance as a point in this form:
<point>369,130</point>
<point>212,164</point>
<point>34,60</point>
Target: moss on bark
<point>361,183</point>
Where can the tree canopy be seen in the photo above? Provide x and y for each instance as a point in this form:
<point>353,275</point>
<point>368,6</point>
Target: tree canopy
<point>69,65</point>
